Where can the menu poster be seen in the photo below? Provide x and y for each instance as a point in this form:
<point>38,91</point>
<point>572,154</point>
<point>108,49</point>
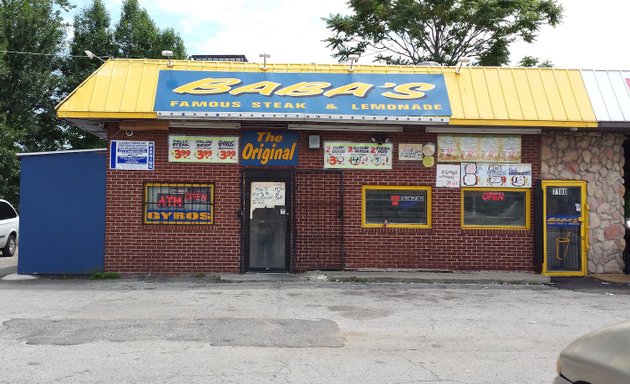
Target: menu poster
<point>496,175</point>
<point>412,152</point>
<point>448,175</point>
<point>479,148</point>
<point>344,155</point>
<point>202,149</point>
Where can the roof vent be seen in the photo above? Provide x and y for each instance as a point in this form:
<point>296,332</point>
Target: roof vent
<point>237,58</point>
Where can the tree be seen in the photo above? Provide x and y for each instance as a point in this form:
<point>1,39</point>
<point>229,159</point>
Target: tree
<point>413,31</point>
<point>92,31</point>
<point>531,61</point>
<point>135,36</point>
<point>32,35</point>
<point>138,37</point>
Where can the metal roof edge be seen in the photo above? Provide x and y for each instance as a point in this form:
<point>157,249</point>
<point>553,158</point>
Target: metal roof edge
<point>58,106</point>
<point>69,151</point>
<point>525,123</point>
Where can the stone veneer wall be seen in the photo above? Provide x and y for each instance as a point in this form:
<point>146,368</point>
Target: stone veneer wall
<point>598,159</point>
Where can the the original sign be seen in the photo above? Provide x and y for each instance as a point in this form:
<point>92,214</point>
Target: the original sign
<point>448,175</point>
<point>496,175</point>
<point>269,148</point>
<point>478,148</point>
<point>178,203</point>
<point>202,149</point>
<point>305,94</point>
<point>345,155</point>
<point>132,155</point>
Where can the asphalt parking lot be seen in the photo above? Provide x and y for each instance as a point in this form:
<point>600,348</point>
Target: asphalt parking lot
<point>196,330</point>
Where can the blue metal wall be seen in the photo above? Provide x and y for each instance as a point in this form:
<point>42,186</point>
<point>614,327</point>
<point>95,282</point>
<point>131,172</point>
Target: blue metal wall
<point>62,213</point>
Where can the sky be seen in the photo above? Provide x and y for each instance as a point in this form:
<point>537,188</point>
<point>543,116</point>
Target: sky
<point>591,37</point>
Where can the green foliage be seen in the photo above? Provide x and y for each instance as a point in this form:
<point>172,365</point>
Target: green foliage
<point>413,31</point>
<point>531,61</point>
<point>36,72</point>
<point>137,36</point>
<point>92,31</point>
<point>29,84</point>
<point>105,275</point>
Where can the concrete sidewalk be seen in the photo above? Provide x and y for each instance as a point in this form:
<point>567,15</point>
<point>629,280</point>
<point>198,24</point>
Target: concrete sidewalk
<point>394,277</point>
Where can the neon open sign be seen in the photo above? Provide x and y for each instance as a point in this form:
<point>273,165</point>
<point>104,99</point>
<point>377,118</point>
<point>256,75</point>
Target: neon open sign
<point>493,196</point>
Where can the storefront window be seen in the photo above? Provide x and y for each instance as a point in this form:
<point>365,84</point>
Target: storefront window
<point>496,208</point>
<point>397,207</point>
<point>178,203</point>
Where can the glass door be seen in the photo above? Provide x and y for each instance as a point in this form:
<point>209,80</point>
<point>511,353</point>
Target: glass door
<point>565,228</point>
<point>267,225</point>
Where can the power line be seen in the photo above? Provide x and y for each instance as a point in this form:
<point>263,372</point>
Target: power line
<point>40,54</point>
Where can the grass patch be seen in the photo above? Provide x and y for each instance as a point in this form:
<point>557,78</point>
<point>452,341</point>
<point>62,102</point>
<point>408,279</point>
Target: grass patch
<point>104,275</point>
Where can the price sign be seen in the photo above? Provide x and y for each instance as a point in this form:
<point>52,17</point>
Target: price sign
<point>202,149</point>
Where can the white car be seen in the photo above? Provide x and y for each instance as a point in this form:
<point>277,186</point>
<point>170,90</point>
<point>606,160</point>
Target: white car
<point>9,228</point>
<point>599,357</point>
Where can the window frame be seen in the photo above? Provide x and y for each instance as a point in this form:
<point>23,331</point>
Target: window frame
<point>184,222</point>
<point>527,225</point>
<point>428,204</point>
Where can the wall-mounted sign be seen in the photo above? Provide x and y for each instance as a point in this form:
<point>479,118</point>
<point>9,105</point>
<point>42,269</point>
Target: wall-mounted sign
<point>496,175</point>
<point>338,154</point>
<point>269,148</point>
<point>304,94</point>
<point>202,149</point>
<point>563,221</point>
<point>410,152</point>
<point>477,148</point>
<point>448,175</point>
<point>177,203</point>
<point>132,155</point>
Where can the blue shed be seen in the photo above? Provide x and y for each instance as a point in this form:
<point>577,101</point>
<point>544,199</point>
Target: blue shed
<point>62,212</point>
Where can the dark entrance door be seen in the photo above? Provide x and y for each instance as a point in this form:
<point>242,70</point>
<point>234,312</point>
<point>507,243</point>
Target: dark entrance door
<point>266,221</point>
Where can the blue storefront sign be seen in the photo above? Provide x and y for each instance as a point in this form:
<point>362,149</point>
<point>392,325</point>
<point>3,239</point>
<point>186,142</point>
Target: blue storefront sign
<point>304,94</point>
<point>269,148</point>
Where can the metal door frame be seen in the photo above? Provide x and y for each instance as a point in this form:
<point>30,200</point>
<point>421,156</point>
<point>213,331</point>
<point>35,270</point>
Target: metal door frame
<point>584,232</point>
<point>247,177</point>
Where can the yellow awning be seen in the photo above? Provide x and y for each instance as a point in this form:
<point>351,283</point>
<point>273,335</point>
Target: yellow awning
<point>123,89</point>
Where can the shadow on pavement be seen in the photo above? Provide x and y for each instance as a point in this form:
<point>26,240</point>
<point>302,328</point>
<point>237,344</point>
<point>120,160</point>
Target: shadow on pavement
<point>590,285</point>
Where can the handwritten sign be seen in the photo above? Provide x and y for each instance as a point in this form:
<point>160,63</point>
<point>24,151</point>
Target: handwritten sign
<point>496,175</point>
<point>448,175</point>
<point>266,194</point>
<point>478,148</point>
<point>409,152</point>
<point>357,155</point>
<point>202,149</point>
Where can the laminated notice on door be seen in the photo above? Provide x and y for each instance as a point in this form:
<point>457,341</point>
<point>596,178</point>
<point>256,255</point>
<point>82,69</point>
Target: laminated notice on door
<point>266,194</point>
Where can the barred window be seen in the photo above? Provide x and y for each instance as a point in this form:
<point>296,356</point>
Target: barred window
<point>497,208</point>
<point>402,207</point>
<point>178,203</point>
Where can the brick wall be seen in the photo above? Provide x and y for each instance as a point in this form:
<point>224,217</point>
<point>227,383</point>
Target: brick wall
<point>446,245</point>
<point>132,247</point>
